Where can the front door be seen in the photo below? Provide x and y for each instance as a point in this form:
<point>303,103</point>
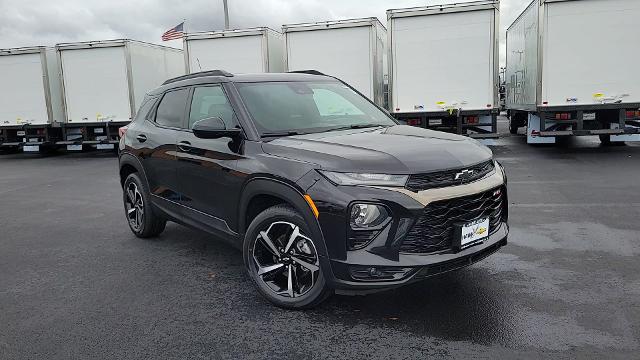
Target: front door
<point>208,184</point>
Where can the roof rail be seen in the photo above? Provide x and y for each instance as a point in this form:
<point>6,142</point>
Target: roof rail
<point>310,72</point>
<point>199,74</point>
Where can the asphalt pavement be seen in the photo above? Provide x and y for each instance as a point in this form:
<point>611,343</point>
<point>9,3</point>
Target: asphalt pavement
<point>76,284</point>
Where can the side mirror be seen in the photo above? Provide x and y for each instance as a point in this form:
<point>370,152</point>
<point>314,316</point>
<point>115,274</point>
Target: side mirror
<point>213,128</point>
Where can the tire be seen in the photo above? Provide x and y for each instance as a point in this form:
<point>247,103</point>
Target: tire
<point>605,140</point>
<point>512,128</point>
<point>516,121</point>
<point>285,281</point>
<point>140,215</point>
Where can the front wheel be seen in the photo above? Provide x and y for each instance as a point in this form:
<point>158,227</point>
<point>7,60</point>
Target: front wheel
<point>282,259</point>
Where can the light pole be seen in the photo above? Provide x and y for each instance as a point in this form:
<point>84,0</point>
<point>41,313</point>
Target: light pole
<point>226,15</point>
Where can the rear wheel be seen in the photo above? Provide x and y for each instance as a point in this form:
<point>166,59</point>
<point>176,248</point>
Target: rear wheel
<point>605,140</point>
<point>282,260</point>
<point>142,219</point>
<point>516,121</point>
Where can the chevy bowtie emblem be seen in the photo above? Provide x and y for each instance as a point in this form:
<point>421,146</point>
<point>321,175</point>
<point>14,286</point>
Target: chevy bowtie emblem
<point>464,174</point>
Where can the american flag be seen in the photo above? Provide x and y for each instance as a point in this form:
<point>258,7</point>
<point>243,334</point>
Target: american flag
<point>174,33</point>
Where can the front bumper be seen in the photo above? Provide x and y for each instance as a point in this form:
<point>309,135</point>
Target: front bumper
<point>346,268</point>
<point>421,266</point>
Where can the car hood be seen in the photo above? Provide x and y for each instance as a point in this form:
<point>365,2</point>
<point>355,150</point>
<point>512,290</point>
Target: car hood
<point>397,149</point>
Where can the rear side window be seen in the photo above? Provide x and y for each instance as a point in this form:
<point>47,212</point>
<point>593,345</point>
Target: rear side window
<point>171,109</point>
<point>211,101</point>
<point>144,109</point>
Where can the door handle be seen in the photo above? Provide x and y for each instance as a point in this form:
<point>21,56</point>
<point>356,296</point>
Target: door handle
<point>184,146</point>
<point>142,137</point>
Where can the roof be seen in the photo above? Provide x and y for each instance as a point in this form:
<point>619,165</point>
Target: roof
<point>332,24</point>
<point>201,35</point>
<point>23,50</point>
<point>443,8</point>
<point>107,43</point>
<point>242,78</point>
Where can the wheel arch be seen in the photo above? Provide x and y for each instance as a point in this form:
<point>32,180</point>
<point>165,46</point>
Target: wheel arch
<point>130,164</point>
<point>269,189</point>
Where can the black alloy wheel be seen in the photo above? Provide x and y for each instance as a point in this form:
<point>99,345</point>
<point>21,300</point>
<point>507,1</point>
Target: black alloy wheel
<point>283,260</point>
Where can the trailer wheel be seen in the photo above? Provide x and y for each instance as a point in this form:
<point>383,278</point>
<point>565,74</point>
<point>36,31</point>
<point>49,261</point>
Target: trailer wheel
<point>605,140</point>
<point>512,128</point>
<point>142,219</point>
<point>516,120</point>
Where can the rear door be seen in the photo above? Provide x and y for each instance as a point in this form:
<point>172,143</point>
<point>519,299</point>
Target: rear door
<point>96,88</point>
<point>590,52</point>
<point>344,53</point>
<point>156,143</point>
<point>237,54</point>
<point>443,61</point>
<point>23,97</point>
<point>208,184</point>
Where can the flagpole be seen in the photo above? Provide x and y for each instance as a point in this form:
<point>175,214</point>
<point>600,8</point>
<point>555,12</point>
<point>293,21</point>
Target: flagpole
<point>184,32</point>
<point>226,14</point>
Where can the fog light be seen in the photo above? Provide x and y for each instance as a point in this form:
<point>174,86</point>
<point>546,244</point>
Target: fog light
<point>382,273</point>
<point>367,216</point>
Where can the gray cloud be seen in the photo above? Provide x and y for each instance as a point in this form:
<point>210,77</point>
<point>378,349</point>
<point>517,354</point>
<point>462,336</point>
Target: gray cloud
<point>46,22</point>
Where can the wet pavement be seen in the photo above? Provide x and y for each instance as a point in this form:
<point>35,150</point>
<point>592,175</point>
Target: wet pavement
<point>75,283</point>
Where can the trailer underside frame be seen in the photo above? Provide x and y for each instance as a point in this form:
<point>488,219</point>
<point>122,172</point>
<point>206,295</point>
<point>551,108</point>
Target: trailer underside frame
<point>33,138</point>
<point>455,122</point>
<point>609,121</point>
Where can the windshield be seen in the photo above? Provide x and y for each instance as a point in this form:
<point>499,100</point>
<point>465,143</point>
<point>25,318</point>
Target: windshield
<point>287,108</point>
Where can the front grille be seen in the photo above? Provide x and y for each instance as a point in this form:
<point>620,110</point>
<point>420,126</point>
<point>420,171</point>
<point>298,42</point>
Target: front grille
<point>434,229</point>
<point>448,178</point>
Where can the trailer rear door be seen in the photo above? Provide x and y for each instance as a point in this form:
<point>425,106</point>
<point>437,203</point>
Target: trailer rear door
<point>236,54</point>
<point>22,88</point>
<point>96,88</point>
<point>443,60</point>
<point>590,52</point>
<point>346,53</point>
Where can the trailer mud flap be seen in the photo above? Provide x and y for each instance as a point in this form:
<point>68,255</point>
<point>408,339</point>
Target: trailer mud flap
<point>534,126</point>
<point>626,137</point>
<point>31,148</point>
<point>76,147</point>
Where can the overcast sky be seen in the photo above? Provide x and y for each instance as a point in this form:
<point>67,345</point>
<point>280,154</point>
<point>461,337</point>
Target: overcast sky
<point>47,22</point>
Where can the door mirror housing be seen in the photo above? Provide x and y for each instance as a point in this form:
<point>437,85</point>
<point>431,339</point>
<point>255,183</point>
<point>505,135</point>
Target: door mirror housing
<point>214,128</point>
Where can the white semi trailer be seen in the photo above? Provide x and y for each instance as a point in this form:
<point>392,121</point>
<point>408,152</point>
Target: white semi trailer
<point>31,101</point>
<point>572,70</point>
<point>256,50</point>
<point>444,65</point>
<point>351,50</point>
<point>104,82</point>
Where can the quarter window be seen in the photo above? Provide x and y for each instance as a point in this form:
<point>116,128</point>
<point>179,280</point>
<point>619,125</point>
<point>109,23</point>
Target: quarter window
<point>143,111</point>
<point>171,109</point>
<point>211,101</point>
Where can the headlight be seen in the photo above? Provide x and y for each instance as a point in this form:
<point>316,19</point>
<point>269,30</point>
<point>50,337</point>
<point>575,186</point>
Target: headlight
<point>365,179</point>
<point>367,216</point>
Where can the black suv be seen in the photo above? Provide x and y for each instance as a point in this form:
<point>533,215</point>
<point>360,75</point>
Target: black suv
<point>321,189</point>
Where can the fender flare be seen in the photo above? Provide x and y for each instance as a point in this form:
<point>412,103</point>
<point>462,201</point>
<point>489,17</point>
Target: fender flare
<point>289,193</point>
<point>129,159</point>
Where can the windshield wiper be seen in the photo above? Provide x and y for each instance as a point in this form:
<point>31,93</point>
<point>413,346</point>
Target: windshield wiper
<point>355,126</point>
<point>364,126</point>
<point>280,134</point>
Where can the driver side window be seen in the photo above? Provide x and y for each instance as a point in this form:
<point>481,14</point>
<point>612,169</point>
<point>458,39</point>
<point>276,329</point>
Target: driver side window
<point>211,101</point>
